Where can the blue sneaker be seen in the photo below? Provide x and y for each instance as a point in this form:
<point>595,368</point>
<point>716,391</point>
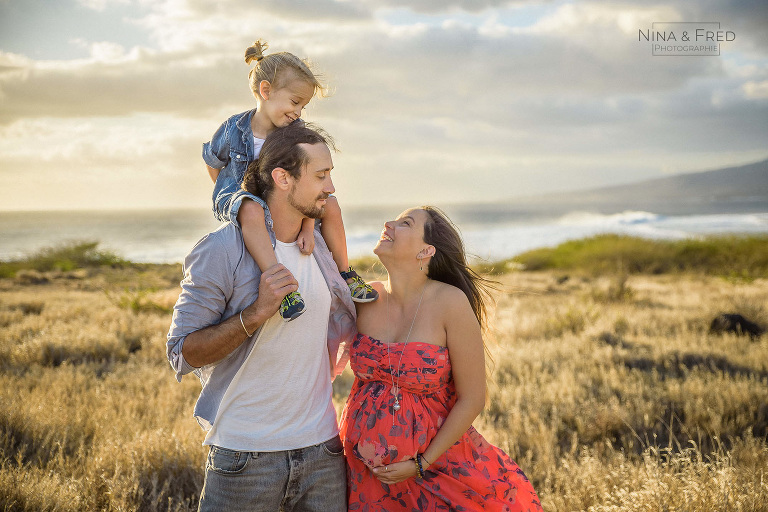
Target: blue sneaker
<point>292,306</point>
<point>360,290</point>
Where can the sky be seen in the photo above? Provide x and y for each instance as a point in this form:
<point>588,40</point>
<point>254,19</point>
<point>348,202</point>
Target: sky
<point>105,104</point>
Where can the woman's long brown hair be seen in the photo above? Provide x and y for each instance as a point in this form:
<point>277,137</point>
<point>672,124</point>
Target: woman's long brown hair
<point>449,265</point>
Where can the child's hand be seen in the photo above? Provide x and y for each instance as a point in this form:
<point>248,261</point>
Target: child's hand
<point>306,242</point>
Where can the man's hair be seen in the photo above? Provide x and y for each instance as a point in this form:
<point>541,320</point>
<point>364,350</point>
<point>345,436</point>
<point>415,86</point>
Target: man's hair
<point>281,149</point>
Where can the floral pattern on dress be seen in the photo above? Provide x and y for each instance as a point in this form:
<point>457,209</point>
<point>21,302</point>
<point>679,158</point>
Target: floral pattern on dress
<point>471,475</point>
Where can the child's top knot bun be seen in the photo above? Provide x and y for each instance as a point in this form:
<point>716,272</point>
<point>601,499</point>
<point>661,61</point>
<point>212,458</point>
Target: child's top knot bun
<point>277,68</point>
<point>256,51</point>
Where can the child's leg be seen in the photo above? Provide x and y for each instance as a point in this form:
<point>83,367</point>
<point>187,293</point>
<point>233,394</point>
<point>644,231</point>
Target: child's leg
<point>251,219</point>
<point>256,238</point>
<point>332,229</point>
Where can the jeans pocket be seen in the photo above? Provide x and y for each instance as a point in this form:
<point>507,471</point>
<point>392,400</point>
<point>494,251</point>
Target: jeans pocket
<point>227,462</point>
<point>334,447</point>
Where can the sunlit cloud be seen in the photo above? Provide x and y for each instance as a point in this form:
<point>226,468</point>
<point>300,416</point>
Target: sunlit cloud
<point>480,99</point>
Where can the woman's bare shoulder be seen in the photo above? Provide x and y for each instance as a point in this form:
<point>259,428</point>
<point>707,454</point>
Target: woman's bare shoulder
<point>450,297</point>
<point>379,287</point>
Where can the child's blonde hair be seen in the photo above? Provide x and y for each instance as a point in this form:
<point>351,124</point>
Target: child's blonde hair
<point>278,69</point>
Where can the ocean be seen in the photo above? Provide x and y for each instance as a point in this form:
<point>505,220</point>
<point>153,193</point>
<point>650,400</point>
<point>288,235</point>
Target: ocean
<point>491,232</point>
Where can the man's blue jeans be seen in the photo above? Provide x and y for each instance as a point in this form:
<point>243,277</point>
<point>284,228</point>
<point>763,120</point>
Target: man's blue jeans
<point>305,479</point>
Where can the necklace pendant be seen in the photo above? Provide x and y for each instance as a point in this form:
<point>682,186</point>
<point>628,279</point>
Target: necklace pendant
<point>396,405</point>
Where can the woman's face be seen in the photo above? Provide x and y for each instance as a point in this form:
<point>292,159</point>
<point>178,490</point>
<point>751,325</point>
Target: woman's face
<point>404,236</point>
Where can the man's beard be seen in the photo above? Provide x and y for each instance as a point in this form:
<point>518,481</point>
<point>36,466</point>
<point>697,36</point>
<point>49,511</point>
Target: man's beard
<point>311,211</point>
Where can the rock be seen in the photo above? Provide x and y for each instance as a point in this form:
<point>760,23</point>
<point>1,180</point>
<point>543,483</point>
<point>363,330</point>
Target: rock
<point>735,323</point>
<point>31,277</point>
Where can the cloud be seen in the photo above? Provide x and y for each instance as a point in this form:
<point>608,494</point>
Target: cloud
<point>113,82</point>
<point>443,6</point>
<point>747,18</point>
<point>101,5</point>
<point>104,162</point>
<point>756,90</point>
<point>575,52</point>
<point>476,106</point>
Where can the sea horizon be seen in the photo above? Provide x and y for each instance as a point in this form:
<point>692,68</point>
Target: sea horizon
<point>491,232</point>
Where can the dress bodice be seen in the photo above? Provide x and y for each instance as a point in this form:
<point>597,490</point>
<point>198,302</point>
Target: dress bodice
<point>414,367</point>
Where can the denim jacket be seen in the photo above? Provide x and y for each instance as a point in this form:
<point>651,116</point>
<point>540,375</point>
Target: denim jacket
<point>231,150</point>
<point>220,280</point>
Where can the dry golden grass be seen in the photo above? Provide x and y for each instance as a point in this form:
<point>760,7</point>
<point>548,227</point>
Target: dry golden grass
<point>624,401</point>
<point>609,392</point>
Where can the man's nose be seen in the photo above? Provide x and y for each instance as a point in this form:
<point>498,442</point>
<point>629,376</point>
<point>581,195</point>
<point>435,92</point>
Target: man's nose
<point>329,188</point>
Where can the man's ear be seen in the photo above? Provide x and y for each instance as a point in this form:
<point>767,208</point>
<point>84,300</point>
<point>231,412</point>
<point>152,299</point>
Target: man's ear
<point>281,178</point>
<point>264,89</point>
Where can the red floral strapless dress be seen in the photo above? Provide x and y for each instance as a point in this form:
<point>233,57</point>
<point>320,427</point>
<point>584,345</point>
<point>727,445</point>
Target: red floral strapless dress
<point>471,475</point>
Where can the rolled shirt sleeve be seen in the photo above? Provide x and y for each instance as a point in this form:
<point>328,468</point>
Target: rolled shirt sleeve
<point>205,291</point>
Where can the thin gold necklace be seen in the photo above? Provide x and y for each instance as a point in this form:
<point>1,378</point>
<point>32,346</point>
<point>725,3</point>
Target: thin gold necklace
<point>396,386</point>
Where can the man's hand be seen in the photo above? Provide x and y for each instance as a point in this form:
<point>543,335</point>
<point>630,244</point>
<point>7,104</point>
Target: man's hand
<point>215,342</point>
<point>275,283</point>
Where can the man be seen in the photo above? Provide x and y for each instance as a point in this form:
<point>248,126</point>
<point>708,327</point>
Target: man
<point>266,396</point>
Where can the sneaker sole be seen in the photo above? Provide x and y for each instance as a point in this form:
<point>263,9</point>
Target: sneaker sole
<point>363,301</point>
<point>294,316</point>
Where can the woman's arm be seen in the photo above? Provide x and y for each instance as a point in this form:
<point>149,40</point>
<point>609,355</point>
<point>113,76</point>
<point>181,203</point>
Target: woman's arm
<point>465,346</point>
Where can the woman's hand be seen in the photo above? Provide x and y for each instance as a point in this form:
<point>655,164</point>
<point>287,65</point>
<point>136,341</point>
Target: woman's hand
<point>396,472</point>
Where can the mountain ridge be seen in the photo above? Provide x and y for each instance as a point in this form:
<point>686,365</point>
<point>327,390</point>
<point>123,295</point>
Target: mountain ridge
<point>737,189</point>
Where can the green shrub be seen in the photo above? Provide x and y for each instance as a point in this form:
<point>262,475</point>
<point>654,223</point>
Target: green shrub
<point>732,255</point>
<point>64,257</point>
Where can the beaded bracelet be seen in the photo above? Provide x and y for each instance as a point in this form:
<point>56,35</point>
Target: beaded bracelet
<point>419,469</point>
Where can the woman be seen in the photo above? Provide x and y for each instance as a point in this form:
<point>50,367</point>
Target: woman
<point>420,382</point>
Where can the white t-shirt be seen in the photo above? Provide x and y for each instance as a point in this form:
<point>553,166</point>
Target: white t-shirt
<point>257,143</point>
<point>280,398</point>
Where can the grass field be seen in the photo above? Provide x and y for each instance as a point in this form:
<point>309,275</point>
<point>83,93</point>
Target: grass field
<point>608,389</point>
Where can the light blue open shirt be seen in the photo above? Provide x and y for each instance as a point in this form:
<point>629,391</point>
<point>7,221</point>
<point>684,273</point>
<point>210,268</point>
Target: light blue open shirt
<point>220,280</point>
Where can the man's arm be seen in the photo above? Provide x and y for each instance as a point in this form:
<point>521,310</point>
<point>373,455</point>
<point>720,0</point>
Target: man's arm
<point>207,287</point>
<point>215,342</point>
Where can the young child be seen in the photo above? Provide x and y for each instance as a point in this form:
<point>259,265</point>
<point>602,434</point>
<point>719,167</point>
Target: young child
<point>283,85</point>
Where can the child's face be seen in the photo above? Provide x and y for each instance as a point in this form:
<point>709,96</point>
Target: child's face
<point>283,106</point>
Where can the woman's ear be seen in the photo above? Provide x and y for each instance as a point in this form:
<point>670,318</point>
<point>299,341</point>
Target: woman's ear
<point>427,252</point>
